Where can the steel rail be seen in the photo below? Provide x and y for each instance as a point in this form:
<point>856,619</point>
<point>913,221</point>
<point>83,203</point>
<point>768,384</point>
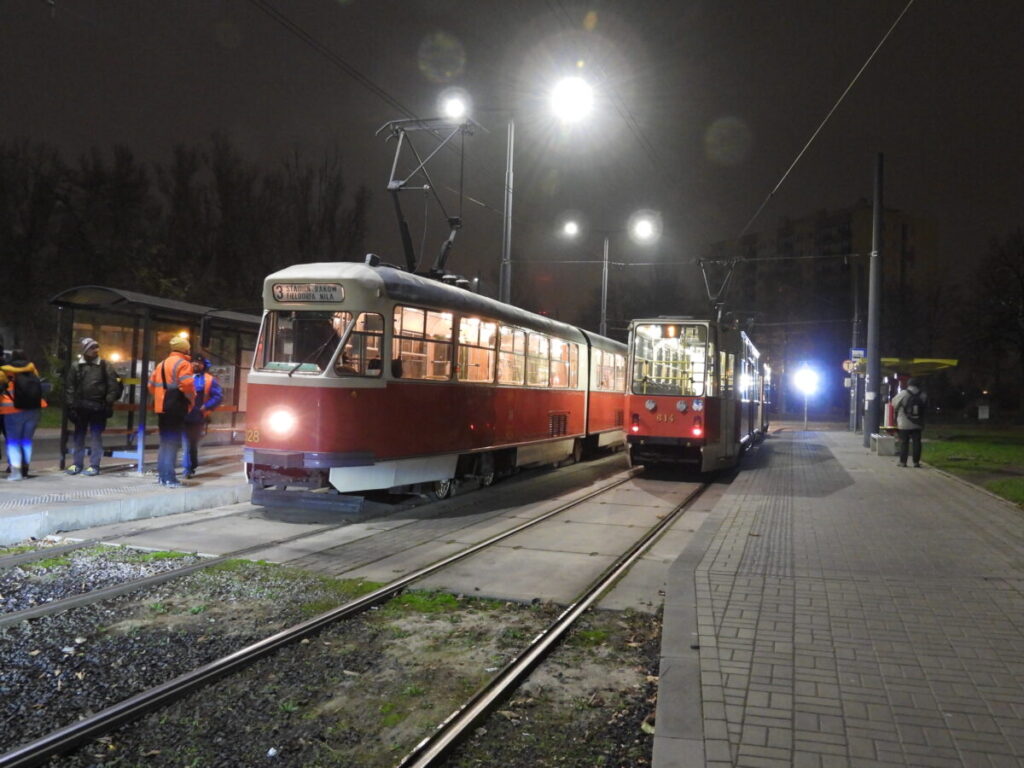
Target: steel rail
<point>70,736</point>
<point>436,746</point>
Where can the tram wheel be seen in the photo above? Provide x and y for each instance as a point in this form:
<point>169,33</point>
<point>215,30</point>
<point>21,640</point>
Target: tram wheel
<point>442,489</point>
<point>487,480</point>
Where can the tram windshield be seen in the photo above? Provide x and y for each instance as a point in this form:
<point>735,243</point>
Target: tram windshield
<point>307,342</point>
<point>670,359</point>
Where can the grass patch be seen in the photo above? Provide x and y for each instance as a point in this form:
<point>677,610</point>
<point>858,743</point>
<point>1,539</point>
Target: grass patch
<point>48,562</point>
<point>17,550</point>
<point>424,602</point>
<point>154,557</point>
<point>1011,488</point>
<point>589,638</point>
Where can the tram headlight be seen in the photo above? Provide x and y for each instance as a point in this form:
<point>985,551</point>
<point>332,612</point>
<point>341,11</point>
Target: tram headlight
<point>698,404</point>
<point>281,422</point>
<point>681,406</point>
<point>650,405</point>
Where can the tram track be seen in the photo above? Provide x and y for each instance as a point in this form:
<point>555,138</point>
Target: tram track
<point>67,738</point>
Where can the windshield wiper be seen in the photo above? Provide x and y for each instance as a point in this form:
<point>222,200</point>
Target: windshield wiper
<point>315,354</point>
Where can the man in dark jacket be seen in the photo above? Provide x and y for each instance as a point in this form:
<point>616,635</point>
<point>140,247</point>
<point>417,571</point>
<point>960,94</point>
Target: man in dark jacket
<point>93,386</point>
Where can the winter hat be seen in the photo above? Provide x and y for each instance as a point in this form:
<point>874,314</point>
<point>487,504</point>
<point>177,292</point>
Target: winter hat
<point>914,382</point>
<point>180,344</point>
<point>88,344</point>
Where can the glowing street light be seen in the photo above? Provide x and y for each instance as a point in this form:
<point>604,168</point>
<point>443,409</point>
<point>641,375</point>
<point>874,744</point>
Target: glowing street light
<point>454,104</point>
<point>572,99</point>
<point>806,380</point>
<point>644,227</point>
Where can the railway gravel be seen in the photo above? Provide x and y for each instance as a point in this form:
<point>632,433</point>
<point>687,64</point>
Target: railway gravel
<point>362,693</point>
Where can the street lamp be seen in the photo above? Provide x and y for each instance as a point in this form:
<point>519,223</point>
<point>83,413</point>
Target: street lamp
<point>571,100</point>
<point>806,380</point>
<point>644,227</point>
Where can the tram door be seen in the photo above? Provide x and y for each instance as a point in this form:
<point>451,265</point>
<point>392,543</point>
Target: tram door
<point>730,403</point>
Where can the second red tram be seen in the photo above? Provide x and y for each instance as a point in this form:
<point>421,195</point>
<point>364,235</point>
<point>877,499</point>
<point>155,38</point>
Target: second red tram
<point>697,393</point>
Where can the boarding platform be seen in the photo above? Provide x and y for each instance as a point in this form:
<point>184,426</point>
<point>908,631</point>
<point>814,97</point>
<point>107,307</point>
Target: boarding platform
<point>50,501</point>
<point>838,610</point>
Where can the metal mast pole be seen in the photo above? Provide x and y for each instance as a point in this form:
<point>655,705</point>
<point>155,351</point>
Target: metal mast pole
<point>505,274</point>
<point>604,291</point>
<point>872,382</point>
<point>854,341</point>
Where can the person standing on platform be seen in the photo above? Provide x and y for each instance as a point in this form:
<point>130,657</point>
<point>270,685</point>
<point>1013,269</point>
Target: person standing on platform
<point>21,404</point>
<point>208,396</point>
<point>909,406</point>
<point>173,390</point>
<point>92,389</point>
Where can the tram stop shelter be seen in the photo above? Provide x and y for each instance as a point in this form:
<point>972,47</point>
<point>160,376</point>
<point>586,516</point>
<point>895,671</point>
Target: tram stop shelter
<point>134,331</point>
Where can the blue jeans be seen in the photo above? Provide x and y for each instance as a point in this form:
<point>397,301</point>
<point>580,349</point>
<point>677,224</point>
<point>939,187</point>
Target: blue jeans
<point>170,443</point>
<point>92,423</point>
<point>20,427</point>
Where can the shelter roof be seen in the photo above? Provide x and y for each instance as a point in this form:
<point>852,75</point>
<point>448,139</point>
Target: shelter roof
<point>100,297</point>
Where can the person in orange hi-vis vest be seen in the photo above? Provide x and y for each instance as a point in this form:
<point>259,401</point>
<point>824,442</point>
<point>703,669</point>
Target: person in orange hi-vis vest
<point>173,390</point>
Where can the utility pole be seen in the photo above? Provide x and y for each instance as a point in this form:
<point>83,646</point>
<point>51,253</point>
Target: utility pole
<point>873,380</point>
<point>505,271</point>
<point>854,343</point>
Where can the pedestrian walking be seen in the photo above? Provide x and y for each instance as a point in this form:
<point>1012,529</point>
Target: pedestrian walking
<point>910,405</point>
<point>208,396</point>
<point>92,389</point>
<point>173,389</point>
<point>22,406</point>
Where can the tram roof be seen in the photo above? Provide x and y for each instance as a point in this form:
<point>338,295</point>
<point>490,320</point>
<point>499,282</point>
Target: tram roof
<point>101,297</point>
<point>419,290</point>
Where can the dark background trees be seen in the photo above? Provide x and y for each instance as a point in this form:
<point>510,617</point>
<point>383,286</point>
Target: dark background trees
<point>205,227</point>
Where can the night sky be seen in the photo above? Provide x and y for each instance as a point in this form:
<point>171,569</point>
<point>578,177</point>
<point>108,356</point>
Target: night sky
<point>702,106</point>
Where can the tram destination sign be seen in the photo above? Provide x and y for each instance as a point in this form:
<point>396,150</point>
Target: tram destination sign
<point>309,292</point>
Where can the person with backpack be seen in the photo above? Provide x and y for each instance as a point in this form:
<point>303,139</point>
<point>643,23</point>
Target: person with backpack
<point>208,396</point>
<point>174,390</point>
<point>910,406</point>
<point>93,387</point>
<point>22,406</point>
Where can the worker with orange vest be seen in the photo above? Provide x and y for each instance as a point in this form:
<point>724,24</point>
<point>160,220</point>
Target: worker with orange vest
<point>21,404</point>
<point>208,396</point>
<point>173,389</point>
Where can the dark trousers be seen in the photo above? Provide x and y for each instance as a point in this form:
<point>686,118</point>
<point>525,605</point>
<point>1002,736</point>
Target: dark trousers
<point>171,430</point>
<point>193,434</point>
<point>908,436</point>
<point>92,424</point>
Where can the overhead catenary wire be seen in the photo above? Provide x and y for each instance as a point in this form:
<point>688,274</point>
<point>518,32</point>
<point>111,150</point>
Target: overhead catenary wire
<point>818,130</point>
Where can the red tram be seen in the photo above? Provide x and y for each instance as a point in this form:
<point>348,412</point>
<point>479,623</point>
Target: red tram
<point>368,377</point>
<point>697,393</point>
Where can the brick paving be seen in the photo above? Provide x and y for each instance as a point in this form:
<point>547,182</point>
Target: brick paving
<point>848,612</point>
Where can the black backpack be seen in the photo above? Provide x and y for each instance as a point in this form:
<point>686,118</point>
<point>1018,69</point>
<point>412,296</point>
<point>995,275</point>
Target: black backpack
<point>914,408</point>
<point>28,391</point>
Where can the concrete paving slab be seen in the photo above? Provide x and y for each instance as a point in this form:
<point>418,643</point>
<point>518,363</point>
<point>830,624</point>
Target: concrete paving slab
<point>579,538</point>
<point>220,535</point>
<point>540,575</point>
<point>388,568</point>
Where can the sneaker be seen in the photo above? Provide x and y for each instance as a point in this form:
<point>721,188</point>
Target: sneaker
<point>74,469</point>
<point>901,464</point>
<point>917,466</point>
<point>91,472</point>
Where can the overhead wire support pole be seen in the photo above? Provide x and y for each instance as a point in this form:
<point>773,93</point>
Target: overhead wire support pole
<point>872,382</point>
<point>505,273</point>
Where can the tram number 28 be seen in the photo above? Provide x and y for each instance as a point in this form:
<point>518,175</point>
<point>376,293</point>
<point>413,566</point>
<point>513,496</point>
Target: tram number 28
<point>665,417</point>
<point>252,435</point>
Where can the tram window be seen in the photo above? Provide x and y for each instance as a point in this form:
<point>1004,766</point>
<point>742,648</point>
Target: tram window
<point>361,356</point>
<point>726,373</point>
<point>302,341</point>
<point>574,365</point>
<point>476,349</point>
<point>511,355</point>
<point>669,359</point>
<point>537,363</point>
<point>560,363</point>
<point>620,373</point>
<point>423,343</point>
<point>604,370</point>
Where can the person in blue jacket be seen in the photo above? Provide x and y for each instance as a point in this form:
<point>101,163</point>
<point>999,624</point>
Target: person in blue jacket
<point>208,397</point>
